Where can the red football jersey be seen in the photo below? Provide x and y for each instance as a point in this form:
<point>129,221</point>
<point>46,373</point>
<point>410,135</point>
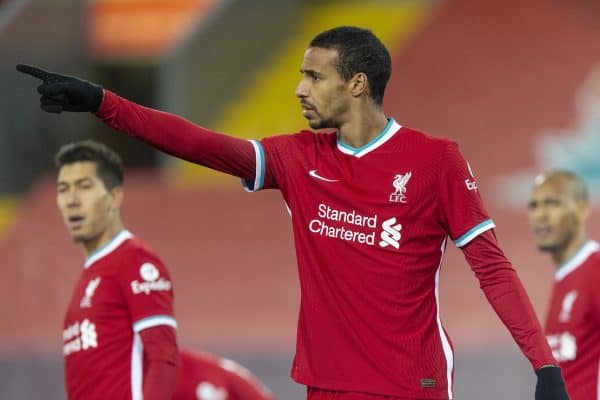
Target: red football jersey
<point>123,289</point>
<point>573,322</point>
<point>370,228</point>
<point>205,377</point>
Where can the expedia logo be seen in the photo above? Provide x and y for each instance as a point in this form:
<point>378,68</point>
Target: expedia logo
<point>152,281</point>
<point>470,184</point>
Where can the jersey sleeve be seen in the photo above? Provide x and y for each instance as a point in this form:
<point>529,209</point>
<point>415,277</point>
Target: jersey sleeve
<point>505,292</point>
<point>276,159</point>
<point>179,137</point>
<point>148,291</point>
<point>462,210</point>
<point>161,362</point>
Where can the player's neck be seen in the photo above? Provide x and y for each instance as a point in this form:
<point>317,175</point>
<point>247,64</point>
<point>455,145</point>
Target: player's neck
<point>566,253</point>
<point>362,127</point>
<point>92,245</point>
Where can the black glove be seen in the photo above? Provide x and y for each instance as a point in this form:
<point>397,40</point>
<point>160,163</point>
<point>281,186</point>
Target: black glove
<point>550,384</point>
<point>64,93</point>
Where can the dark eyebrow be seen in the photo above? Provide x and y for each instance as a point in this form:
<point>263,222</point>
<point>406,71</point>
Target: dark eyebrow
<point>308,72</point>
<point>78,181</point>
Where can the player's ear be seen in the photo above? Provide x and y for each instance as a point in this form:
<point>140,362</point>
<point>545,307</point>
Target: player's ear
<point>358,84</point>
<point>117,196</point>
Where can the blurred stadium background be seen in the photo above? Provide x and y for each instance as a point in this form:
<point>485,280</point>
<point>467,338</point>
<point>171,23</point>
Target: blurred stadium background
<point>515,82</point>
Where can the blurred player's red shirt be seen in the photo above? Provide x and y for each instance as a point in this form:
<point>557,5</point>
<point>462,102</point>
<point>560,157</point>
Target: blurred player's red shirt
<point>370,227</point>
<point>123,289</point>
<point>573,322</point>
<point>205,377</point>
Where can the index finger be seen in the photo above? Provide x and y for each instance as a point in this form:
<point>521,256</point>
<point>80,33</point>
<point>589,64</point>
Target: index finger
<point>35,72</point>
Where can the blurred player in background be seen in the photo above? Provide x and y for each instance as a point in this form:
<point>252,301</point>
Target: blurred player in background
<point>119,339</point>
<point>373,204</point>
<point>206,377</point>
<point>558,211</point>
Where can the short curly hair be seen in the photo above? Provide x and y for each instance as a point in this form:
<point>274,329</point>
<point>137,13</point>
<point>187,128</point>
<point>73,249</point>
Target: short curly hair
<point>359,50</point>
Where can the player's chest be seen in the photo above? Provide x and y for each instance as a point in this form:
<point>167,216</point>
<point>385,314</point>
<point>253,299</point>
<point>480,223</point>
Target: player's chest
<point>395,183</point>
<point>571,325</point>
<point>96,294</point>
<point>569,309</point>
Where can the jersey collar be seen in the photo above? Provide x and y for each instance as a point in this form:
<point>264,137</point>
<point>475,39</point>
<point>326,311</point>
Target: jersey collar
<point>108,247</point>
<point>390,129</point>
<point>577,260</point>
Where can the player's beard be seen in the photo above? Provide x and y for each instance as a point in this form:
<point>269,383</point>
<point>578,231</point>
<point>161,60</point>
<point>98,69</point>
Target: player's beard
<point>329,118</point>
<point>78,238</point>
<point>547,248</point>
<point>334,108</point>
<point>319,123</point>
<point>557,247</point>
<point>91,232</point>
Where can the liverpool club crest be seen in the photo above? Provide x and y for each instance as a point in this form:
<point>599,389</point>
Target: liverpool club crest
<point>399,183</point>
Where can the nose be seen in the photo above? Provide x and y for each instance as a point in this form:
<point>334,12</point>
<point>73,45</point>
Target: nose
<point>302,89</point>
<point>72,198</point>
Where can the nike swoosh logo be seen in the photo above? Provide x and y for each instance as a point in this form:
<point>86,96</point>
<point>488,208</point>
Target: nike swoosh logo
<point>313,173</point>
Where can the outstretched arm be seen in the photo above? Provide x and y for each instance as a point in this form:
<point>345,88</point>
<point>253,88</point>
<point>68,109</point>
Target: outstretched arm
<point>179,137</point>
<point>167,132</point>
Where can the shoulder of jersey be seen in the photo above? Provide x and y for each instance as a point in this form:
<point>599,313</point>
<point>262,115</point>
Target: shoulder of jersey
<point>425,138</point>
<point>135,245</point>
<point>593,266</point>
<point>138,252</point>
<point>310,138</point>
<point>307,136</point>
